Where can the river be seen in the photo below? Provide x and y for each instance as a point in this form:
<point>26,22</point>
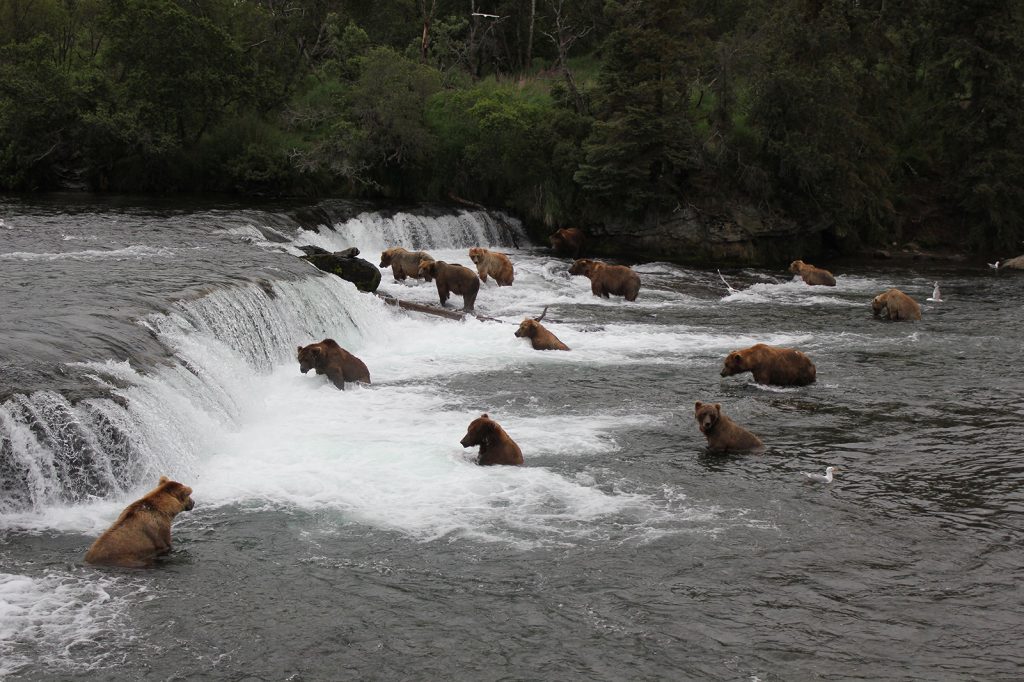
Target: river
<point>347,535</point>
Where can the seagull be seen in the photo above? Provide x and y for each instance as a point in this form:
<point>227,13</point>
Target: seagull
<point>821,478</point>
<point>727,285</point>
<point>994,266</point>
<point>936,296</point>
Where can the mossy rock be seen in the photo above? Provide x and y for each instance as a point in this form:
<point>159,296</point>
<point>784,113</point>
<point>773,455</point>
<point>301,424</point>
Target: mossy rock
<point>364,274</point>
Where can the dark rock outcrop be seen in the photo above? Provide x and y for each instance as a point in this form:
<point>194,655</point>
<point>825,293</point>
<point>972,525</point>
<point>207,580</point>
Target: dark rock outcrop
<point>364,274</point>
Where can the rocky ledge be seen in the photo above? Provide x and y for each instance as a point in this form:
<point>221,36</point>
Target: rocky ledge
<point>345,264</point>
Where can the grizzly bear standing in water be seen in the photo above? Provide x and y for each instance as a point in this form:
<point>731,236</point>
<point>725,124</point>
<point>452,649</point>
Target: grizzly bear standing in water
<point>403,263</point>
<point>495,445</point>
<point>143,530</point>
<point>567,241</point>
<point>771,365</point>
<point>539,336</point>
<point>811,274</point>
<point>492,263</point>
<point>617,280</point>
<point>452,279</point>
<point>895,305</point>
<point>723,434</point>
<point>327,357</point>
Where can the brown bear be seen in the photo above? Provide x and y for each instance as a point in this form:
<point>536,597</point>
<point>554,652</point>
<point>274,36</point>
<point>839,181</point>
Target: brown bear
<point>452,279</point>
<point>495,445</point>
<point>567,241</point>
<point>771,365</point>
<point>539,335</point>
<point>723,434</point>
<point>327,357</point>
<point>492,263</point>
<point>143,530</point>
<point>896,306</point>
<point>605,279</point>
<point>811,274</point>
<point>403,263</point>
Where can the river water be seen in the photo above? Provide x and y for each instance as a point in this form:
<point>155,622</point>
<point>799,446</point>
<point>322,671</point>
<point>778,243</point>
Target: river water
<point>347,535</point>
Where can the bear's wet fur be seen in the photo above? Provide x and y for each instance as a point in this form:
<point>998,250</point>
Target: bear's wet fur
<point>492,263</point>
<point>452,279</point>
<point>811,274</point>
<point>403,263</point>
<point>327,357</point>
<point>496,447</point>
<point>605,279</point>
<point>723,434</point>
<point>896,306</point>
<point>771,365</point>
<point>567,241</point>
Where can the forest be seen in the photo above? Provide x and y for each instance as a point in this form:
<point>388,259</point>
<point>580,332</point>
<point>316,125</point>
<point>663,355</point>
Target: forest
<point>878,121</point>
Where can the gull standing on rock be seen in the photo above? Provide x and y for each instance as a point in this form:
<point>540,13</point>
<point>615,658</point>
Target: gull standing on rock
<point>821,478</point>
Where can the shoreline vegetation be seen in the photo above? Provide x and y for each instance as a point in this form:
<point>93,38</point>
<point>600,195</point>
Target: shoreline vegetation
<point>744,131</point>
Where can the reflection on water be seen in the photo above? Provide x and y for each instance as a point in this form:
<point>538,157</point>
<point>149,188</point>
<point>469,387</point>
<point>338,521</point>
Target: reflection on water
<point>348,535</point>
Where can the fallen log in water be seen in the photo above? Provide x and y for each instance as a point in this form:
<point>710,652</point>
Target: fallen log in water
<point>432,309</point>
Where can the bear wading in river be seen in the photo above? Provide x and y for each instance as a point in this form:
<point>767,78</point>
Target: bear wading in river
<point>143,530</point>
<point>812,275</point>
<point>605,279</point>
<point>896,306</point>
<point>327,357</point>
<point>496,447</point>
<point>723,434</point>
<point>452,279</point>
<point>771,365</point>
<point>492,263</point>
<point>539,336</point>
<point>404,263</point>
<point>567,242</point>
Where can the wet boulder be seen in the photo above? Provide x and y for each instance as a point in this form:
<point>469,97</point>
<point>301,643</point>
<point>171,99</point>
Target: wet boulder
<point>345,264</point>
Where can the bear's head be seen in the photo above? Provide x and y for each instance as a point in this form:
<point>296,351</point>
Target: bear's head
<point>557,239</point>
<point>528,329</point>
<point>385,257</point>
<point>582,266</point>
<point>707,416</point>
<point>172,497</point>
<point>878,303</point>
<point>480,429</point>
<point>476,254</point>
<point>428,269</point>
<point>735,363</point>
<point>797,266</point>
<point>310,357</point>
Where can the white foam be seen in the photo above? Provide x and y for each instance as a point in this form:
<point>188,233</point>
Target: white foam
<point>128,252</point>
<point>57,621</point>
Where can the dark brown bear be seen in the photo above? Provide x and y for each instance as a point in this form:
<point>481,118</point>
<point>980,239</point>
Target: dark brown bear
<point>143,530</point>
<point>403,263</point>
<point>567,242</point>
<point>723,434</point>
<point>452,279</point>
<point>495,445</point>
<point>811,274</point>
<point>617,280</point>
<point>327,357</point>
<point>539,336</point>
<point>895,305</point>
<point>771,365</point>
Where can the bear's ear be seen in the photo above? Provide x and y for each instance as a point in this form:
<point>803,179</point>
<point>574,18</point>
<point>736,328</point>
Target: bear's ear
<point>163,479</point>
<point>697,405</point>
<point>300,349</point>
<point>484,416</point>
<point>718,408</point>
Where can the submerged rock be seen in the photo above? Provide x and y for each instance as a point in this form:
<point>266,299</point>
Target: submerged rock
<point>364,274</point>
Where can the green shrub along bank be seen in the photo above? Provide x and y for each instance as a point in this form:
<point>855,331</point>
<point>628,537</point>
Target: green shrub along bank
<point>874,121</point>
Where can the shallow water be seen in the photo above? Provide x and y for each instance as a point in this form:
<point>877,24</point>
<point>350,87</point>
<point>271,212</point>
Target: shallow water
<point>348,535</point>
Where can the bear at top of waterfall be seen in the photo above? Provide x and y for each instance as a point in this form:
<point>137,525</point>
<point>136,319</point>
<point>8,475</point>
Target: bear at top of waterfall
<point>723,434</point>
<point>327,357</point>
<point>771,365</point>
<point>605,279</point>
<point>452,279</point>
<point>496,447</point>
<point>567,241</point>
<point>896,306</point>
<point>492,263</point>
<point>403,263</point>
<point>811,274</point>
<point>143,530</point>
<point>539,336</point>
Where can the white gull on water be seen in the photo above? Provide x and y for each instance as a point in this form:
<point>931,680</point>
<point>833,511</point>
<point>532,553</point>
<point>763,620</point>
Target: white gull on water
<point>821,478</point>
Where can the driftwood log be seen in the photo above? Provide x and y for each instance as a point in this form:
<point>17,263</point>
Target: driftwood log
<point>432,309</point>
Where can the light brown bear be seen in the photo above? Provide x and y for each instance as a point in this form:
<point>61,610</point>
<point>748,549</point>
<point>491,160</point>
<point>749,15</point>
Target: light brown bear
<point>771,365</point>
<point>539,336</point>
<point>452,279</point>
<point>492,263</point>
<point>403,263</point>
<point>812,275</point>
<point>327,357</point>
<point>895,305</point>
<point>723,434</point>
<point>567,241</point>
<point>605,279</point>
<point>143,530</point>
<point>496,447</point>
